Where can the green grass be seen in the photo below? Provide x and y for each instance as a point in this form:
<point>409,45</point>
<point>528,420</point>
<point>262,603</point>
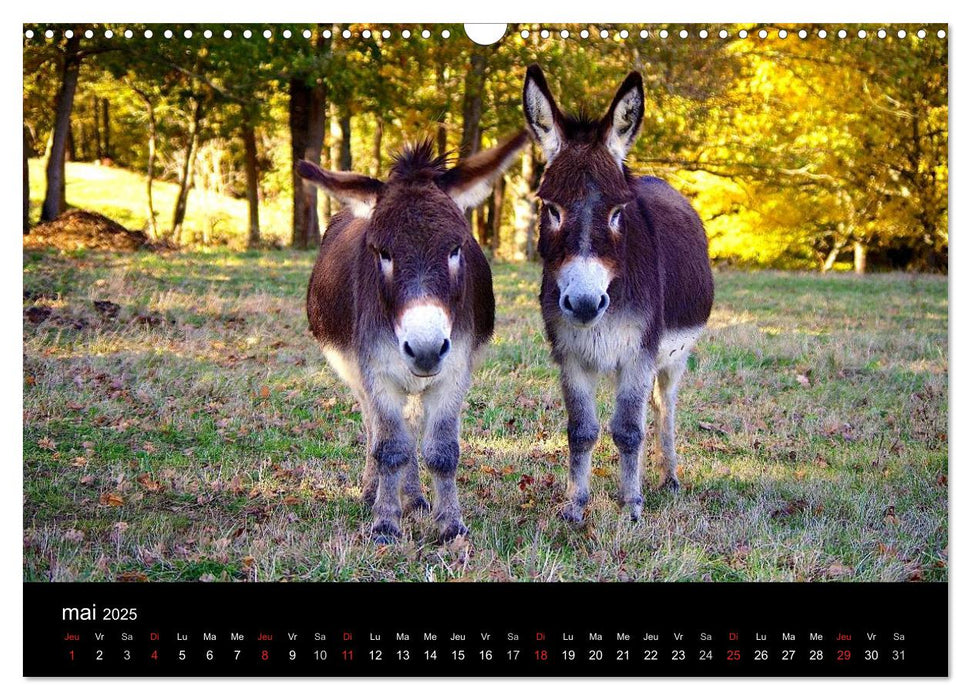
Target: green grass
<point>120,194</point>
<point>199,435</point>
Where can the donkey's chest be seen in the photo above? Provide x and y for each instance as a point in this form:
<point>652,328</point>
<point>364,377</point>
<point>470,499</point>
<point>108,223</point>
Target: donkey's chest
<point>608,345</point>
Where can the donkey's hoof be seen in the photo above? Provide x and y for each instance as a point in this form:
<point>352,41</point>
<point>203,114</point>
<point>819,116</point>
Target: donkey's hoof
<point>670,483</point>
<point>636,509</point>
<point>385,532</point>
<point>572,512</point>
<point>417,504</point>
<point>449,532</point>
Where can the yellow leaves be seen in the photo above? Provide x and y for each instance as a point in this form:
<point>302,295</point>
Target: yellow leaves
<point>45,443</point>
<point>264,392</point>
<point>601,472</point>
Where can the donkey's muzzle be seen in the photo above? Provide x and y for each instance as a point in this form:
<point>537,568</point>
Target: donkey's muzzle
<point>425,357</point>
<point>584,309</point>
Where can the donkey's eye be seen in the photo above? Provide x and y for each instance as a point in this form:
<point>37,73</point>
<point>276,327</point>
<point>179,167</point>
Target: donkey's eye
<point>385,255</point>
<point>555,216</point>
<point>456,252</point>
<point>616,216</point>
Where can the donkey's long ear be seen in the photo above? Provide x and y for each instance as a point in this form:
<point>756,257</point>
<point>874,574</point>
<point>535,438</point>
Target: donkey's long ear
<point>358,192</point>
<point>542,114</point>
<point>471,180</point>
<point>622,122</point>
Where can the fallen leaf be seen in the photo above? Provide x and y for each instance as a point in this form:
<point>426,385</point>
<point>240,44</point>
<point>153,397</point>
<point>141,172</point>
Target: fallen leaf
<point>46,443</point>
<point>264,392</point>
<point>79,461</point>
<point>148,482</point>
<point>131,576</point>
<point>711,427</point>
<point>87,480</point>
<point>111,499</point>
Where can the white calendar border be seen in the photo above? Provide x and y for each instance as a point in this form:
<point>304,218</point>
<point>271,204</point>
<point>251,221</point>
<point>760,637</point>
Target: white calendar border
<point>889,11</point>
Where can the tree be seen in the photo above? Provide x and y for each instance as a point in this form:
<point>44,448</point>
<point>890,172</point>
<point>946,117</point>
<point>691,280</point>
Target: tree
<point>70,57</point>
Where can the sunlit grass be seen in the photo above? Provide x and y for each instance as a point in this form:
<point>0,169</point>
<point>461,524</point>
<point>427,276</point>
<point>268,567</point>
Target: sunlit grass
<point>812,432</point>
<point>120,194</point>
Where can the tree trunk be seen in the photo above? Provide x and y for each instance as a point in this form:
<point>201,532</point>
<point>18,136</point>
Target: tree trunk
<point>188,170</point>
<point>307,120</point>
<point>525,206</point>
<point>54,203</point>
<point>831,258</point>
<point>441,136</point>
<point>345,124</point>
<point>26,184</point>
<point>498,198</point>
<point>150,169</point>
<point>106,128</point>
<point>72,154</point>
<point>252,181</point>
<point>859,258</point>
<point>98,151</point>
<point>472,104</point>
<point>378,135</point>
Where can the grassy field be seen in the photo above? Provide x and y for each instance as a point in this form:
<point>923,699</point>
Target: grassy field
<point>193,432</point>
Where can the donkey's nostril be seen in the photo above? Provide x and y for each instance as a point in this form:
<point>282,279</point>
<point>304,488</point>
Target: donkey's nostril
<point>604,299</point>
<point>408,351</point>
<point>566,304</point>
<point>446,346</point>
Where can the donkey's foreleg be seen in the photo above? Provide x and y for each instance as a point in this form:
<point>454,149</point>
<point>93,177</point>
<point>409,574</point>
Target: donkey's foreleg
<point>393,447</point>
<point>627,428</point>
<point>580,397</point>
<point>663,402</point>
<point>440,448</point>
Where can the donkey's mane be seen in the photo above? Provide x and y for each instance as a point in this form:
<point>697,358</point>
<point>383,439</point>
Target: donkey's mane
<point>418,161</point>
<point>580,126</point>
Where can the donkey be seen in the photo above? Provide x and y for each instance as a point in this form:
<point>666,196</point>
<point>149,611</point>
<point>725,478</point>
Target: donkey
<point>627,285</point>
<point>401,299</point>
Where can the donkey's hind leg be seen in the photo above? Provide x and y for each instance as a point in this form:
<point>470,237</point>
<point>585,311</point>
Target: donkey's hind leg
<point>369,480</point>
<point>663,401</point>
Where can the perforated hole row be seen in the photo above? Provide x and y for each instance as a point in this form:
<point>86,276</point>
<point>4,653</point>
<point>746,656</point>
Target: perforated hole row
<point>603,33</point>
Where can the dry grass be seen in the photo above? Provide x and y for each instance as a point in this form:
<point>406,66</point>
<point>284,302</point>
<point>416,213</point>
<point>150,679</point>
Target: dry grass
<point>193,432</point>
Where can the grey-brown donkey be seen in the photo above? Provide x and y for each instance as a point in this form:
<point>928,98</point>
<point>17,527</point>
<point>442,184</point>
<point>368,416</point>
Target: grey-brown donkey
<point>401,298</point>
<point>627,286</point>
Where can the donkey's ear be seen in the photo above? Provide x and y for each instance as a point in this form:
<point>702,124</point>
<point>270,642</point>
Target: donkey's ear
<point>542,114</point>
<point>357,192</point>
<point>471,180</point>
<point>622,122</point>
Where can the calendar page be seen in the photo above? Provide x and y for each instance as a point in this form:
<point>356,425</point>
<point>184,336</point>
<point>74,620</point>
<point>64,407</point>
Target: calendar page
<point>531,349</point>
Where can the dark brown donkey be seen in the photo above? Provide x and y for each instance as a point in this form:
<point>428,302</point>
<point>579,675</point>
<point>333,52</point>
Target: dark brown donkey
<point>627,286</point>
<point>401,298</point>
